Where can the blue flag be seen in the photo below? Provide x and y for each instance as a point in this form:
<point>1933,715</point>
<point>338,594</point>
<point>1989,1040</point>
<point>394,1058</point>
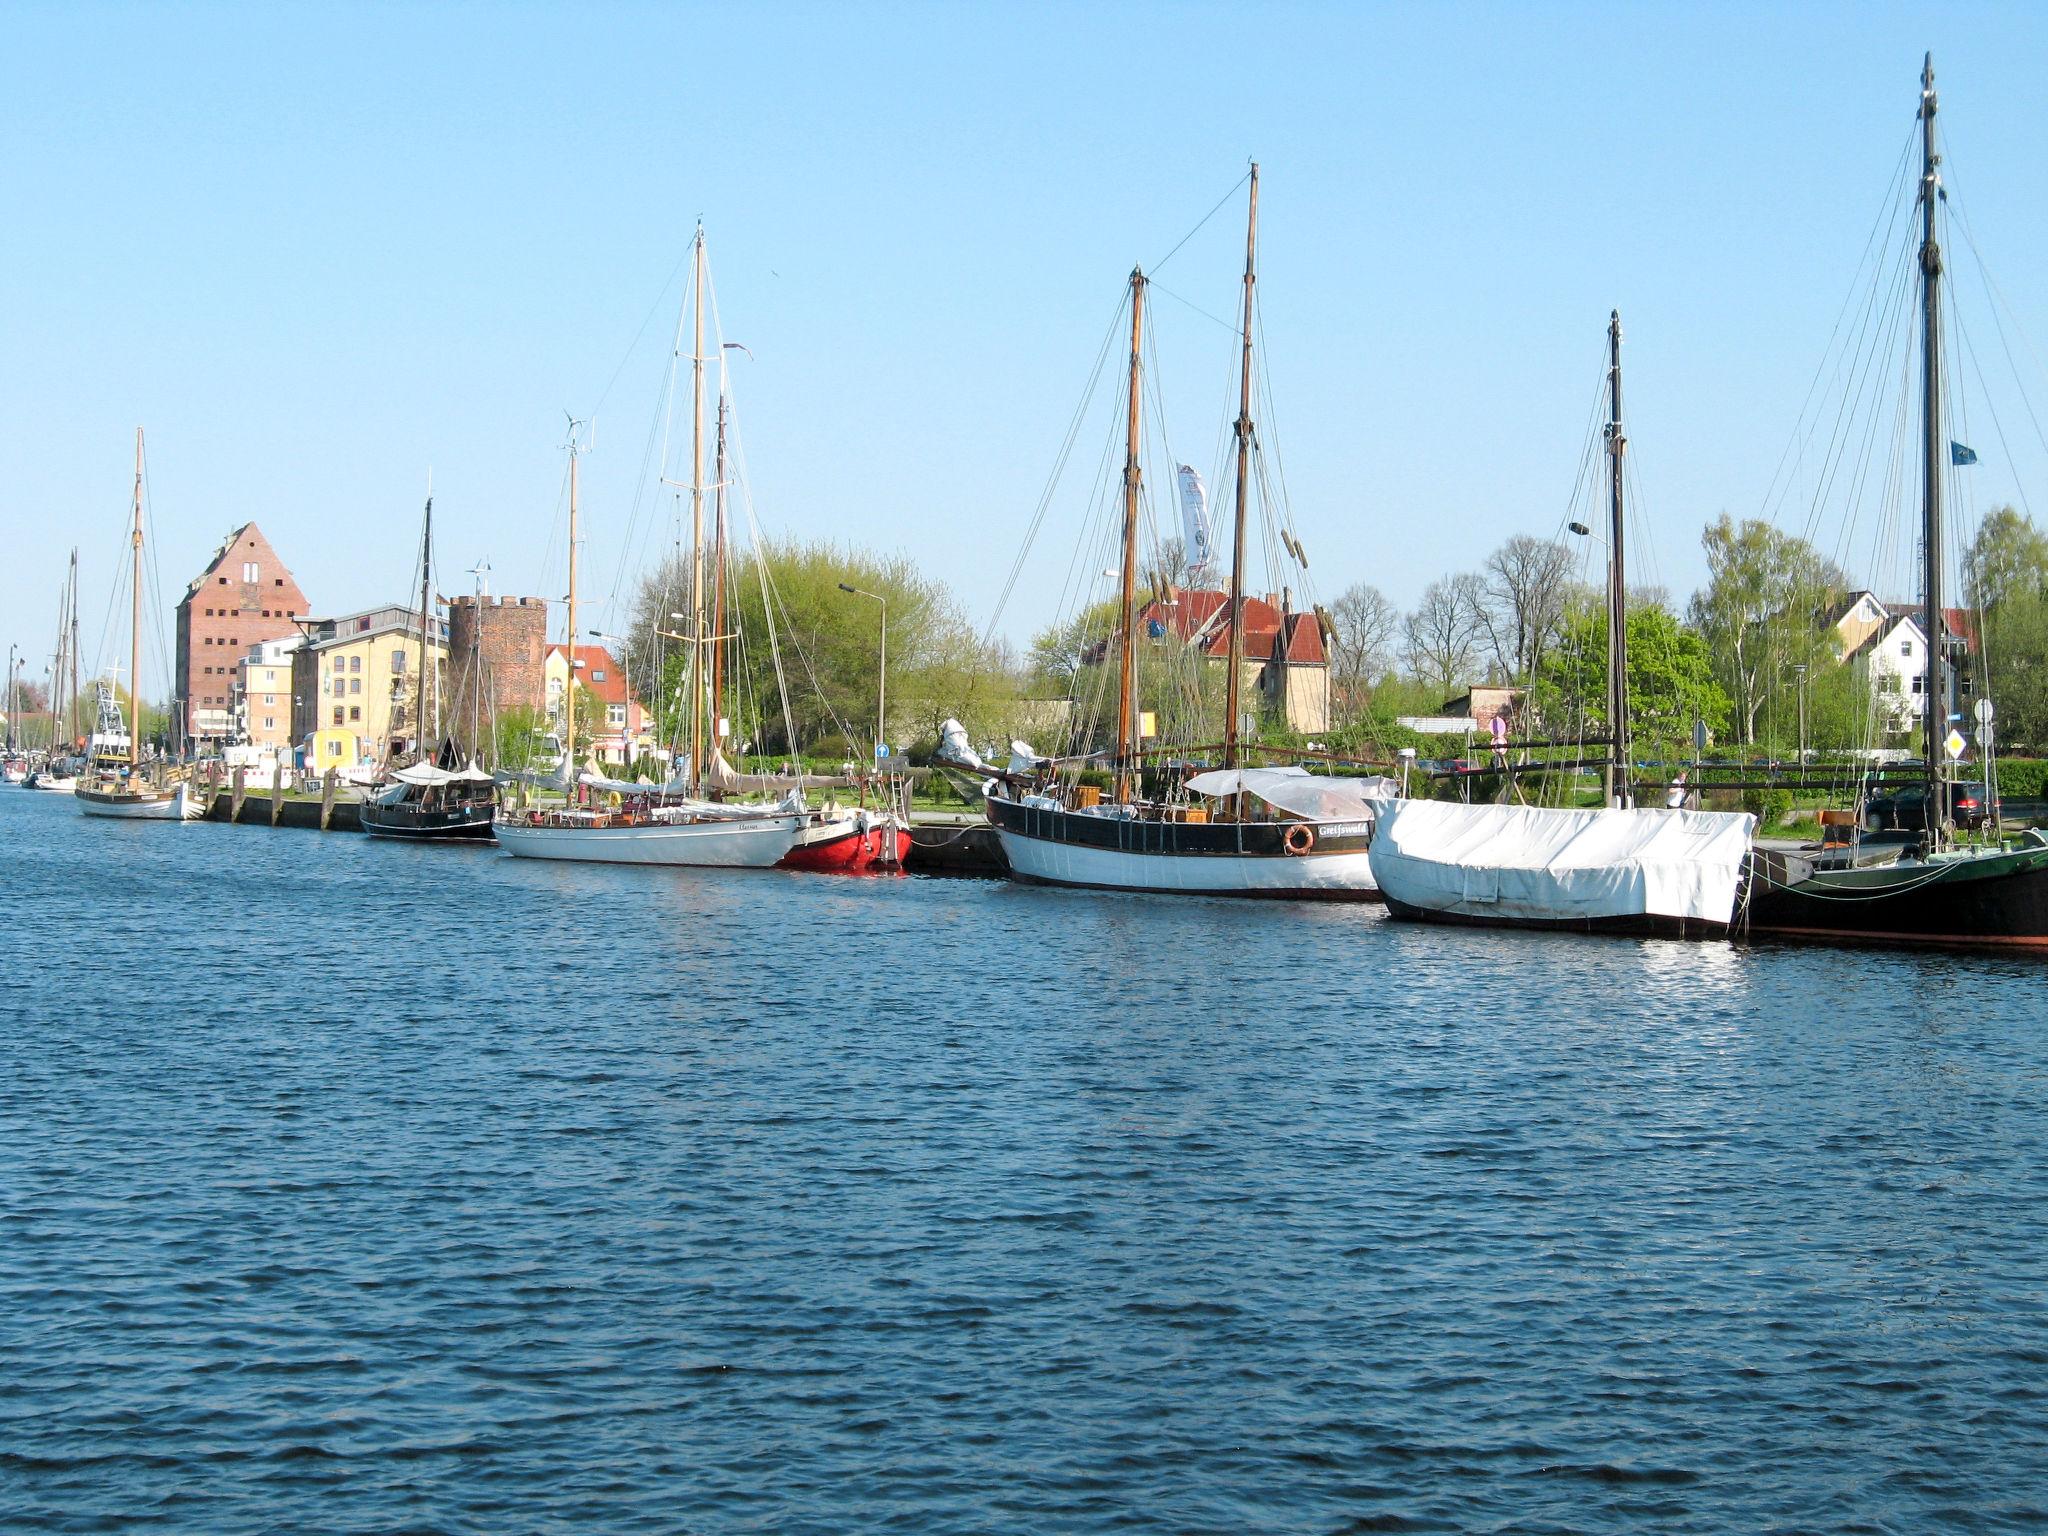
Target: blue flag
<point>1958,454</point>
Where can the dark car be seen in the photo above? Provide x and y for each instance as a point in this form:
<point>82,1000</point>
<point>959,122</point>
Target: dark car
<point>1905,809</point>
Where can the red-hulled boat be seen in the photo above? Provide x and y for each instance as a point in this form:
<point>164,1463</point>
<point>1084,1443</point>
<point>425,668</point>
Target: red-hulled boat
<point>850,842</point>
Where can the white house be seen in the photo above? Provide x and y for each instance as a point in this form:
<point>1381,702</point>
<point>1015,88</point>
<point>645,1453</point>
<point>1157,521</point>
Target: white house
<point>1887,640</point>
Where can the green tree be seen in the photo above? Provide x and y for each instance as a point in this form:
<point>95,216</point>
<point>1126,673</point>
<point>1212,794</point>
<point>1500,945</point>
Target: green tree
<point>1762,612</point>
<point>2008,558</point>
<point>784,598</point>
<point>1671,679</point>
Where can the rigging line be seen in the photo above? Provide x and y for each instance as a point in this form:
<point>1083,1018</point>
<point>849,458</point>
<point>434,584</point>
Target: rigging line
<point>1887,213</point>
<point>1998,302</point>
<point>1184,239</point>
<point>646,321</point>
<point>1059,467</point>
<point>1862,373</point>
<point>1159,287</point>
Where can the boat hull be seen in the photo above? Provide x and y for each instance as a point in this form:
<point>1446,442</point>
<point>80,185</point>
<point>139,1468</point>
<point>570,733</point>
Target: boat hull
<point>1988,901</point>
<point>846,848</point>
<point>453,824</point>
<point>179,804</point>
<point>1640,925</point>
<point>55,786</point>
<point>1053,847</point>
<point>750,844</point>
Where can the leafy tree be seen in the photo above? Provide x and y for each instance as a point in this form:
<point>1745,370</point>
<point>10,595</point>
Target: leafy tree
<point>2008,558</point>
<point>1671,679</point>
<point>1762,612</point>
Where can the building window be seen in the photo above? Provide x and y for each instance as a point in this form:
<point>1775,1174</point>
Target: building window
<point>398,661</point>
<point>355,711</point>
<point>270,698</point>
<point>278,582</point>
<point>597,676</point>
<point>250,572</point>
<point>337,714</point>
<point>269,722</point>
<point>1919,685</point>
<point>355,685</point>
<point>1905,648</point>
<point>355,663</point>
<point>223,581</point>
<point>615,716</point>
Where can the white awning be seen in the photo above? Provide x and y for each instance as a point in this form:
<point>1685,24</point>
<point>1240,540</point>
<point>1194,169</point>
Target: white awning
<point>430,774</point>
<point>1314,797</point>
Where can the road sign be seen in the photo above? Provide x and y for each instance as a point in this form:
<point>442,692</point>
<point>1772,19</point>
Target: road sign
<point>1984,711</point>
<point>1954,745</point>
<point>881,749</point>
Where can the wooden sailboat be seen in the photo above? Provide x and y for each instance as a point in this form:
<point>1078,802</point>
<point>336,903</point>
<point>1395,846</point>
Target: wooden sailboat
<point>1282,833</point>
<point>116,784</point>
<point>658,824</point>
<point>1939,894</point>
<point>426,800</point>
<point>1620,868</point>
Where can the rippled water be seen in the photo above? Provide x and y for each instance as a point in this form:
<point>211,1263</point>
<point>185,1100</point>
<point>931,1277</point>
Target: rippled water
<point>346,1186</point>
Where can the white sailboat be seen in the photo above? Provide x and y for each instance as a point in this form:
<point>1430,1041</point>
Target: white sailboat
<point>657,824</point>
<point>1618,868</point>
<point>116,785</point>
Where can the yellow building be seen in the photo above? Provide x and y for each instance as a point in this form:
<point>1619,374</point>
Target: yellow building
<point>360,674</point>
<point>263,695</point>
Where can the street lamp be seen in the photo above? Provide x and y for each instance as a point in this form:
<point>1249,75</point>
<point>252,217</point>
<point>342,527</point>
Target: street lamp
<point>882,685</point>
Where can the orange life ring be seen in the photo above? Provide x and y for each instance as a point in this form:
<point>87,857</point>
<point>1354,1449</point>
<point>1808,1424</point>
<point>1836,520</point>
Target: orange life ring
<point>1299,838</point>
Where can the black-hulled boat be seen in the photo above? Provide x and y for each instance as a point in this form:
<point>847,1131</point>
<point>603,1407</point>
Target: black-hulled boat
<point>428,802</point>
<point>1937,894</point>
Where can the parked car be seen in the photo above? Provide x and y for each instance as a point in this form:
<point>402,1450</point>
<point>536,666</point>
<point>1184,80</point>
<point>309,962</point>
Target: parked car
<point>1905,809</point>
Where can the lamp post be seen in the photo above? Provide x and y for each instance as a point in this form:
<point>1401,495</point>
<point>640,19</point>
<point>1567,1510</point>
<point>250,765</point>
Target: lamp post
<point>882,684</point>
<point>1800,668</point>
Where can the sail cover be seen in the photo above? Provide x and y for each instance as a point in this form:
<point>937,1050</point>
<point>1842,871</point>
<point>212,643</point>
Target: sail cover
<point>1530,864</point>
<point>428,774</point>
<point>1298,792</point>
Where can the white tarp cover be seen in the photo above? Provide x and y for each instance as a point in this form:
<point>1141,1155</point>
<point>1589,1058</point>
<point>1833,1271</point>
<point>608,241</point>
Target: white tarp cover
<point>1527,863</point>
<point>1298,792</point>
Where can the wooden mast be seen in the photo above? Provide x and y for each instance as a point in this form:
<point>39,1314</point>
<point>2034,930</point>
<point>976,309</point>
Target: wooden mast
<point>569,690</point>
<point>73,700</point>
<point>697,526</point>
<point>419,730</point>
<point>1235,616</point>
<point>1126,733</point>
<point>1617,581</point>
<point>135,625</point>
<point>718,586</point>
<point>1933,703</point>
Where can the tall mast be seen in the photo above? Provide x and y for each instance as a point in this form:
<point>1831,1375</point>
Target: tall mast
<point>135,622</point>
<point>74,631</point>
<point>697,524</point>
<point>1126,733</point>
<point>1933,708</point>
<point>569,691</point>
<point>1617,581</point>
<point>718,586</point>
<point>419,730</point>
<point>1235,617</point>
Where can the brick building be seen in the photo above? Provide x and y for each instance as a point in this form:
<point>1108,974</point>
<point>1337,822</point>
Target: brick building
<point>244,597</point>
<point>497,649</point>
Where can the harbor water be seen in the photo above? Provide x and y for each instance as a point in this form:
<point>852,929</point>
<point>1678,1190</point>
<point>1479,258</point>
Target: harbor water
<point>350,1186</point>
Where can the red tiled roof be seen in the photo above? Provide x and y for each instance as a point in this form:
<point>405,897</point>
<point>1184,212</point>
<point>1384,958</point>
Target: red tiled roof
<point>595,658</point>
<point>1198,616</point>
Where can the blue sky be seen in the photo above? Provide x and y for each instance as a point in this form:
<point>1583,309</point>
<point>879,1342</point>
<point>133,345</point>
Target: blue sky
<point>315,251</point>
